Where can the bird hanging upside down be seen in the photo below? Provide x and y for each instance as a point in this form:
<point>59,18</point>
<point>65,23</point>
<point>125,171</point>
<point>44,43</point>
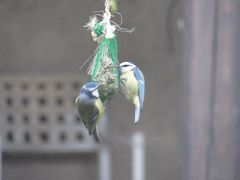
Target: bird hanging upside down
<point>90,108</point>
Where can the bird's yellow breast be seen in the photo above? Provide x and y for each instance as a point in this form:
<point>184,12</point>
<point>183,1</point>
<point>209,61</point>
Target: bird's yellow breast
<point>129,85</point>
<point>100,107</point>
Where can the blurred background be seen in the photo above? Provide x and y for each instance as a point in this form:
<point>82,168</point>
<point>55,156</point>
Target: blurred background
<point>187,50</point>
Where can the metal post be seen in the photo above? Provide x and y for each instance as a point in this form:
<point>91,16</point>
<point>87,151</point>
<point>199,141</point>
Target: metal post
<point>104,163</point>
<point>212,89</point>
<point>199,30</point>
<point>225,109</point>
<point>138,156</point>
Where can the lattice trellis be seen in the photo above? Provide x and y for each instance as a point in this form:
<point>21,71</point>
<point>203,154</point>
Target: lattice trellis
<point>38,113</point>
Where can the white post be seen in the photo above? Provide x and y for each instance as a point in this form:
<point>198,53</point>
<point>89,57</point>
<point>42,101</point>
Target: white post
<point>138,156</point>
<point>104,163</point>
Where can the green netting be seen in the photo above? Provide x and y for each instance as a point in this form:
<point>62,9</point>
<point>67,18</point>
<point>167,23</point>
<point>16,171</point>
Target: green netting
<point>105,68</point>
<point>98,29</point>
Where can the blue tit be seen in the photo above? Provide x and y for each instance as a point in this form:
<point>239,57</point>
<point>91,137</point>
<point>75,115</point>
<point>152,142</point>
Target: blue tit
<point>133,86</point>
<point>90,107</point>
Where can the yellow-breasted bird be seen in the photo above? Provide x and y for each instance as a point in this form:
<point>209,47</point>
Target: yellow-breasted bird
<point>133,86</point>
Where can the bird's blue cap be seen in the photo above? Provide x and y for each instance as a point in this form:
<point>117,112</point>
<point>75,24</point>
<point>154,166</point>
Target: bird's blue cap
<point>89,87</point>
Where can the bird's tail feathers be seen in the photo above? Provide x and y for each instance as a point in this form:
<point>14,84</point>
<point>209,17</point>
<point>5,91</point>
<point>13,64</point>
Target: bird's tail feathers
<point>96,135</point>
<point>137,113</point>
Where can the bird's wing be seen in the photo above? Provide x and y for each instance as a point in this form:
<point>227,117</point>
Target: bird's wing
<point>92,114</point>
<point>141,83</point>
<point>91,124</point>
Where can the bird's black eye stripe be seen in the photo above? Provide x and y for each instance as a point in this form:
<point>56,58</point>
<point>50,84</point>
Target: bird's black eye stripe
<point>83,90</point>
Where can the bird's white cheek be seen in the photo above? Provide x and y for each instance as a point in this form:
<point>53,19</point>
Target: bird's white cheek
<point>95,93</point>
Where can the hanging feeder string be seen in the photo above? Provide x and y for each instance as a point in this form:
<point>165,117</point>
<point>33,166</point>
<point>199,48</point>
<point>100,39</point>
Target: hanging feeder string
<point>107,7</point>
<point>110,29</point>
<point>107,14</point>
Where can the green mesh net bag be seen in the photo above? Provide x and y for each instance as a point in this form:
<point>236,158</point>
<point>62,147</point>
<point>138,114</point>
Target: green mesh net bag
<point>104,68</point>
